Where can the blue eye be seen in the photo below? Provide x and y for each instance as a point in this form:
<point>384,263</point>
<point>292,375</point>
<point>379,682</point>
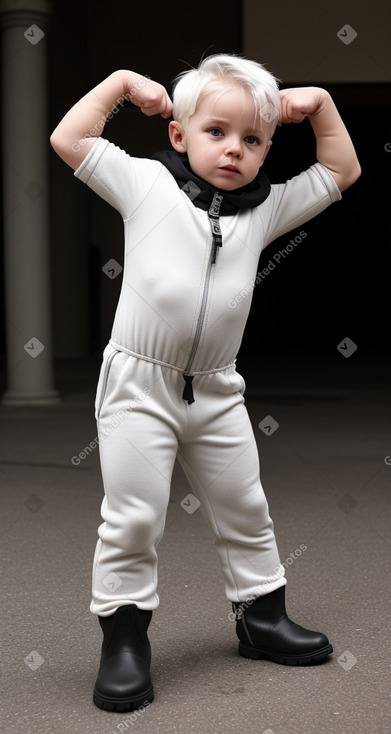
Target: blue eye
<point>215,132</point>
<point>252,140</point>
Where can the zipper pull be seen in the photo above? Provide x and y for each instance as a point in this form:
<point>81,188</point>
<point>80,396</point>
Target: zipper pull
<point>213,214</point>
<point>217,237</point>
<point>214,209</point>
<point>188,389</point>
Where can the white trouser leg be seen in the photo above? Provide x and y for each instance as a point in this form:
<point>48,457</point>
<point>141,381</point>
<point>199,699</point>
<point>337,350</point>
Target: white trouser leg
<point>137,459</point>
<point>220,460</point>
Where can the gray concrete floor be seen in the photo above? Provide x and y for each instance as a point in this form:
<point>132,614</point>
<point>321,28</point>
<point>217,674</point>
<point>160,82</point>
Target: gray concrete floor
<point>328,486</point>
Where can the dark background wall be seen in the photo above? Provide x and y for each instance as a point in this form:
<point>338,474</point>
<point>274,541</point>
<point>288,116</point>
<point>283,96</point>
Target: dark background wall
<point>87,44</point>
<point>336,282</point>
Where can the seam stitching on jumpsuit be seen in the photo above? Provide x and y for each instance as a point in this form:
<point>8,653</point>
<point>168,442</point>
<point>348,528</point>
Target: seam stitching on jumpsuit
<point>128,218</point>
<point>105,381</point>
<point>203,492</point>
<point>146,358</point>
<point>212,512</point>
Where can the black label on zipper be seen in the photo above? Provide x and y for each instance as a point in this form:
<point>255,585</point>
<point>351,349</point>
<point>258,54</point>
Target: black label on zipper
<point>215,227</point>
<point>214,209</point>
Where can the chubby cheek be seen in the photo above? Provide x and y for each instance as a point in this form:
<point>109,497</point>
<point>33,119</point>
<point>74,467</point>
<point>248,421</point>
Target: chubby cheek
<point>255,164</point>
<point>197,163</point>
<point>250,166</point>
<point>203,160</point>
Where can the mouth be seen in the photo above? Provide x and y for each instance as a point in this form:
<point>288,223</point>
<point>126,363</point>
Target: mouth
<point>229,169</point>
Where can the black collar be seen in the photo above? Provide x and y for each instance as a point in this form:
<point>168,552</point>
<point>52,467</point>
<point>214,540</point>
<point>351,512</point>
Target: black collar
<point>201,192</point>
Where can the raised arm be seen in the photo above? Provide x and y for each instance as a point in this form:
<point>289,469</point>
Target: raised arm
<point>77,132</point>
<point>334,148</point>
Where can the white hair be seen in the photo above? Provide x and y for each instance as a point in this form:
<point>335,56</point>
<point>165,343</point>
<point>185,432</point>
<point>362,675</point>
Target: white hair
<point>192,86</point>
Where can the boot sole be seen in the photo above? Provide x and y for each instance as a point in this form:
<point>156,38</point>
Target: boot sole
<point>309,658</point>
<point>132,703</point>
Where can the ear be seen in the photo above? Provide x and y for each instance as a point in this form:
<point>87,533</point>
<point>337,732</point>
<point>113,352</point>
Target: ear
<point>177,136</point>
<point>269,145</point>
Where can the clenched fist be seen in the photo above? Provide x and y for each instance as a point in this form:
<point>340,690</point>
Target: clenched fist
<point>301,102</point>
<point>150,96</point>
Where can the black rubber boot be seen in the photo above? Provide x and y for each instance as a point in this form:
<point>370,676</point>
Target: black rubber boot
<point>265,631</point>
<point>124,682</point>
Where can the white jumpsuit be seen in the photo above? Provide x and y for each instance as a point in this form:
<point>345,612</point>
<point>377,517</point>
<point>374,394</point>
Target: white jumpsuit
<point>175,315</point>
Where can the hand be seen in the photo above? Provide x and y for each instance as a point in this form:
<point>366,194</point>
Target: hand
<point>150,96</point>
<point>301,102</point>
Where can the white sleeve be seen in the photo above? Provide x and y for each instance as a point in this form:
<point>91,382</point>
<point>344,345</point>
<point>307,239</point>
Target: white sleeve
<point>301,198</point>
<point>120,179</point>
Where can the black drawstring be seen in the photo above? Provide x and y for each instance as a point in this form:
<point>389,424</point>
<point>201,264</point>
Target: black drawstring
<point>188,389</point>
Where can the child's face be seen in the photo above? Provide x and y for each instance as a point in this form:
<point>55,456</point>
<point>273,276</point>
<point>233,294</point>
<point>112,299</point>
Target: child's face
<point>225,143</point>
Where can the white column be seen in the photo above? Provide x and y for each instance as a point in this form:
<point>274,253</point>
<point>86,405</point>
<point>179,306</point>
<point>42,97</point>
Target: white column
<point>26,216</point>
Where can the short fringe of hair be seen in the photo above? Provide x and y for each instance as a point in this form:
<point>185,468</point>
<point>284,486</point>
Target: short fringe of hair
<point>191,86</point>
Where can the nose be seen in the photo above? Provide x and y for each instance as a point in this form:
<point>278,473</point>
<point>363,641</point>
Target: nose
<point>233,147</point>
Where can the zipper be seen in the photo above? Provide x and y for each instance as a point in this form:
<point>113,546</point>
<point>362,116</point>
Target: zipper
<point>217,241</point>
<point>188,391</point>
